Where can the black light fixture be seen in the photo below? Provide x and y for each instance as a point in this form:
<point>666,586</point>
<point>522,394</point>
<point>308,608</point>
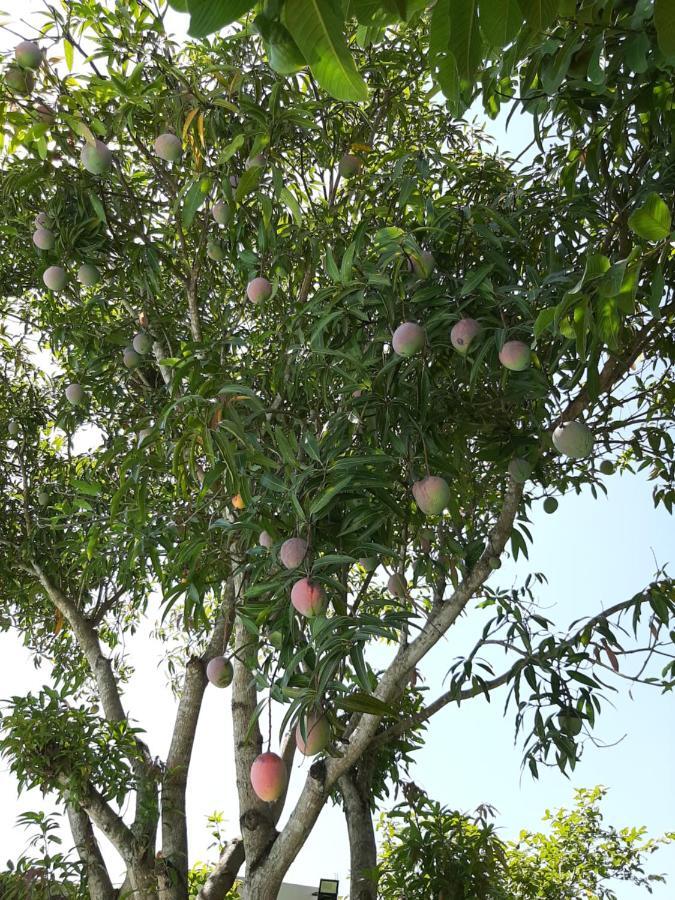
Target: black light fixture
<point>328,889</point>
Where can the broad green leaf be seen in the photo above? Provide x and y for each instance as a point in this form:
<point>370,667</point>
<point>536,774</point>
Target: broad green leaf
<point>86,487</point>
<point>178,5</point>
<point>283,54</point>
<point>207,16</point>
<point>376,12</point>
<point>235,144</point>
<point>79,127</point>
<point>543,321</point>
<point>194,198</point>
<point>652,221</point>
<point>465,41</point>
<point>637,48</point>
<point>248,182</point>
<point>317,28</point>
<point>500,20</point>
<point>608,320</point>
<point>539,14</point>
<point>664,21</point>
<point>555,67</point>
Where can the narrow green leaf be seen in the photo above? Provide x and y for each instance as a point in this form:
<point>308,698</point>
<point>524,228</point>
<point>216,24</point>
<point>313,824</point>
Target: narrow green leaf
<point>328,495</point>
<point>68,52</point>
<point>98,207</point>
<point>364,703</point>
<point>287,197</point>
<point>331,266</point>
<point>543,321</point>
<point>608,321</point>
<point>235,144</point>
<point>656,293</point>
<point>317,28</point>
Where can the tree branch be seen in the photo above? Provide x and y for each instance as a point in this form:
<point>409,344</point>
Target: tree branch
<point>223,876</point>
<point>87,639</point>
<point>106,820</point>
<point>476,690</point>
<point>145,824</point>
<point>614,369</point>
<point>323,776</point>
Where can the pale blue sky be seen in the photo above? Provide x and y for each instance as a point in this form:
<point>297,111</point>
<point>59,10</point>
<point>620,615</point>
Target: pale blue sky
<point>593,552</point>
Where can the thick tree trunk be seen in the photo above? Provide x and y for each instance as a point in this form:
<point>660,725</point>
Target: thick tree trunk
<point>256,817</point>
<point>174,859</point>
<point>86,845</point>
<point>140,883</point>
<point>174,784</point>
<point>362,845</point>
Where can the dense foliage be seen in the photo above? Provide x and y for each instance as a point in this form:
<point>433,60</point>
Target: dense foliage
<point>199,360</point>
<point>431,851</point>
<point>468,46</point>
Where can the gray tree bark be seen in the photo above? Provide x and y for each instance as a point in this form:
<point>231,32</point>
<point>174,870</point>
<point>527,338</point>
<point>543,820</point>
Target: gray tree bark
<point>86,845</point>
<point>355,787</point>
<point>256,817</point>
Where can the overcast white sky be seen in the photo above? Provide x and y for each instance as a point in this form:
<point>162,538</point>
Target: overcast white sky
<point>593,552</point>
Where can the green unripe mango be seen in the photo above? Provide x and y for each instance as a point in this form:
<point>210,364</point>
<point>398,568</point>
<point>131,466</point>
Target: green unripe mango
<point>96,158</point>
<point>550,505</point>
<point>28,55</point>
<point>215,251</point>
<point>19,81</point>
<point>55,278</point>
<point>168,147</point>
<point>520,470</point>
<point>88,275</point>
<point>142,343</point>
<point>221,212</point>
<point>132,360</point>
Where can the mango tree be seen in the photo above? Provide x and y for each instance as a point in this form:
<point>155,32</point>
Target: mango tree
<point>290,374</point>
